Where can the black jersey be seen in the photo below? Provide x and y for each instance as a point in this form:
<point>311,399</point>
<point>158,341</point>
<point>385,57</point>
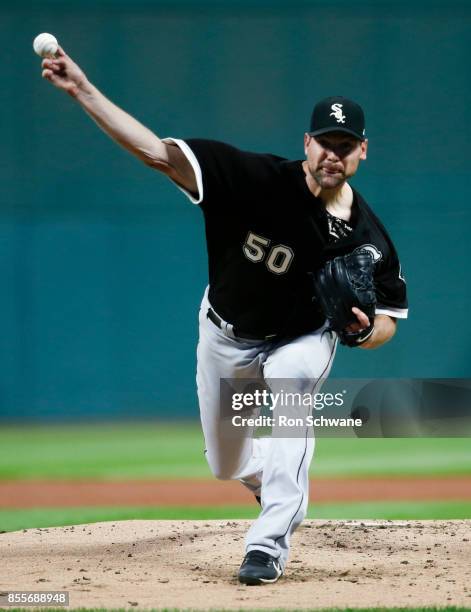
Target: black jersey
<point>266,233</point>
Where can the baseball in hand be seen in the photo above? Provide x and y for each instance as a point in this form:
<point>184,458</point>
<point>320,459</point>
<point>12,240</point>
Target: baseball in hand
<point>45,45</point>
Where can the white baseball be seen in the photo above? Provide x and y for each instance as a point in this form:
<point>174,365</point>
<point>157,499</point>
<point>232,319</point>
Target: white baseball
<point>45,45</point>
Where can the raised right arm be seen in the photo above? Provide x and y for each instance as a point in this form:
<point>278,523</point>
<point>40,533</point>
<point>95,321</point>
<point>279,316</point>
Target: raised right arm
<point>168,158</point>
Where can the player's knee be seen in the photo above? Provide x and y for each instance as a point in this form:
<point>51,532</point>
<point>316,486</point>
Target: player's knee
<point>222,471</point>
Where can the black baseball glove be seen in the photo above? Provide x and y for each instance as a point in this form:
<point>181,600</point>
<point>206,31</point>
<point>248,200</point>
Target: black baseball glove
<point>342,283</point>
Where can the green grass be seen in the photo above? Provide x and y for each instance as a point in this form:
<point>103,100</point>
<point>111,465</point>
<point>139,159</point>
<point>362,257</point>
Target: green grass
<point>14,520</point>
<point>103,451</point>
<point>151,450</point>
<point>393,510</point>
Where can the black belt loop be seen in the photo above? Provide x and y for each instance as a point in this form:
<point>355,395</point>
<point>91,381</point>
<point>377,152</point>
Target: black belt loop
<point>212,316</point>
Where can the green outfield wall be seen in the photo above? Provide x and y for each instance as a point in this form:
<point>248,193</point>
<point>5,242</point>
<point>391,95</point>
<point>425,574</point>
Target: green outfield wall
<point>102,261</point>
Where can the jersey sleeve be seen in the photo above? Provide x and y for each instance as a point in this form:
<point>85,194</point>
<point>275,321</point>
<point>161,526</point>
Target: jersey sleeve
<point>224,174</point>
<point>186,150</point>
<point>390,284</point>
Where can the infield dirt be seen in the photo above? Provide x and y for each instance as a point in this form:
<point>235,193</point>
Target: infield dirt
<point>193,564</point>
<point>75,493</point>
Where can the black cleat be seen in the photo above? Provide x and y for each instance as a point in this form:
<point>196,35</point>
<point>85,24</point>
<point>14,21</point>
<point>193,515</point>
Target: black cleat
<point>259,500</point>
<point>259,567</point>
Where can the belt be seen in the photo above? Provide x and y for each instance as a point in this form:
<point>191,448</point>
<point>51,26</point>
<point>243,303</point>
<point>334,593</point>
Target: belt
<point>212,316</point>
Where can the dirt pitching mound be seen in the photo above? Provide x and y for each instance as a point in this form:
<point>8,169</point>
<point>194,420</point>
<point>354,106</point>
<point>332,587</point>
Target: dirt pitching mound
<point>193,564</point>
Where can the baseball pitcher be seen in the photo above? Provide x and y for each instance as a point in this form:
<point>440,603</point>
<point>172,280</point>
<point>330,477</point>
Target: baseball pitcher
<point>297,263</point>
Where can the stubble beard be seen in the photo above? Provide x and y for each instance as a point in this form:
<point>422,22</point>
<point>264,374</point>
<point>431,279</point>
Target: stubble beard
<point>328,182</point>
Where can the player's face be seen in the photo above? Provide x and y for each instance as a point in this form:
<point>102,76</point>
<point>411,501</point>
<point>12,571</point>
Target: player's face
<point>334,157</point>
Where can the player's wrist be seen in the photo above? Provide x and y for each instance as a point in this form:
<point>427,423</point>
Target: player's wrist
<point>357,338</point>
<point>83,91</point>
<point>368,338</point>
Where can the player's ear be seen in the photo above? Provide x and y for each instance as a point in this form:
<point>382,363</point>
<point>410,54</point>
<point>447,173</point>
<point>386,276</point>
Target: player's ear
<point>307,140</point>
<point>364,148</point>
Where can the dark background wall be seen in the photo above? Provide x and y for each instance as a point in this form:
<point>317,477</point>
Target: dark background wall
<point>103,261</point>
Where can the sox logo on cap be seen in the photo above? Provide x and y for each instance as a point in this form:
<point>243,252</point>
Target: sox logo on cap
<point>338,114</point>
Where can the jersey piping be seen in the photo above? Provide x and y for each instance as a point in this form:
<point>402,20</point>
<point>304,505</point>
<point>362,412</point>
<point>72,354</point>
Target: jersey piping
<point>191,157</point>
<point>397,313</point>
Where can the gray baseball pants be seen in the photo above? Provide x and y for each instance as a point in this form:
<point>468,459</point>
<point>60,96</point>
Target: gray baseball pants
<point>276,468</point>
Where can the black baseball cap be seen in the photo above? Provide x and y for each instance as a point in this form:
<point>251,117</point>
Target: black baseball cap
<point>338,114</point>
